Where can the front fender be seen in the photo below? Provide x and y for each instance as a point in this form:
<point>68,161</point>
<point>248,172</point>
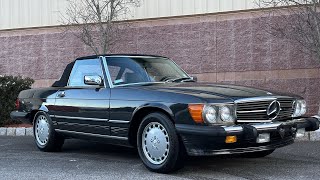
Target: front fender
<point>164,107</point>
<point>177,112</point>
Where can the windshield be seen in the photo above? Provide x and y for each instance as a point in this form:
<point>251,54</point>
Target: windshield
<point>129,70</point>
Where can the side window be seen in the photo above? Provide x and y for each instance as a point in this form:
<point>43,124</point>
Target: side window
<point>82,68</point>
<point>114,71</point>
<point>118,74</point>
<point>126,71</point>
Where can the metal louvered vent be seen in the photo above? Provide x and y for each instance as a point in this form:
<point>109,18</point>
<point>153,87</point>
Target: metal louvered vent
<point>257,110</point>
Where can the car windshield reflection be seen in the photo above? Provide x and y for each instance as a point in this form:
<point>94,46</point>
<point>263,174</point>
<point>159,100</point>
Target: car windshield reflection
<point>144,70</point>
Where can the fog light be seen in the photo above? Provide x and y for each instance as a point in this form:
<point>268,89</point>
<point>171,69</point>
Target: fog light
<point>231,139</point>
<point>300,133</point>
<point>263,138</point>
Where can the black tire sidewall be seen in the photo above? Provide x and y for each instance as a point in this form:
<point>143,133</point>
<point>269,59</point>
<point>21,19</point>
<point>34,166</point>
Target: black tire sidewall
<point>170,163</point>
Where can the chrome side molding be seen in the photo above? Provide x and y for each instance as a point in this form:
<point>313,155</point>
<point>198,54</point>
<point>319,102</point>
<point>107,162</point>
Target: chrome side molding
<point>119,121</point>
<point>90,134</point>
<point>81,118</point>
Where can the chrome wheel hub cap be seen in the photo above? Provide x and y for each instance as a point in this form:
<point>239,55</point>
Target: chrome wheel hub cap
<point>42,130</point>
<point>155,143</point>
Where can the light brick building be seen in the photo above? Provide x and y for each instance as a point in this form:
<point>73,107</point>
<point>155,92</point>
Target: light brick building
<point>217,40</point>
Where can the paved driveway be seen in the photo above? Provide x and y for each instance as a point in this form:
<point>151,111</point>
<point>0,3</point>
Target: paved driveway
<point>20,159</point>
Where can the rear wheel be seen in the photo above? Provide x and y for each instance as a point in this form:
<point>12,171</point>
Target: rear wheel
<point>44,134</point>
<point>158,144</point>
<point>259,154</point>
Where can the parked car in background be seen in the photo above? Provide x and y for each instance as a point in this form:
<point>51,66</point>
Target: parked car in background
<point>150,103</point>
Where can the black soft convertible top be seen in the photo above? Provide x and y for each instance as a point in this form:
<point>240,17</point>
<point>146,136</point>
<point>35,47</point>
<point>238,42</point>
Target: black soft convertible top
<point>65,76</point>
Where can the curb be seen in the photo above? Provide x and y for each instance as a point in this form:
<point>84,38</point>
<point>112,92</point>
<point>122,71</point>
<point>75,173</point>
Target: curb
<point>20,131</point>
<point>315,136</point>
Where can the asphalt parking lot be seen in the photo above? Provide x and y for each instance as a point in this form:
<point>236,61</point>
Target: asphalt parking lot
<point>20,159</point>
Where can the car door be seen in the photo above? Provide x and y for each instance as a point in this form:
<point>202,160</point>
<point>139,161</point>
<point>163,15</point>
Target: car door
<point>123,70</point>
<point>81,108</point>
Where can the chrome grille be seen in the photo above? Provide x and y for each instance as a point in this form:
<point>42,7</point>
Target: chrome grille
<point>256,111</point>
<point>286,108</point>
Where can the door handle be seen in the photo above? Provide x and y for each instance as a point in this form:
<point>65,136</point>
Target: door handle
<point>61,94</point>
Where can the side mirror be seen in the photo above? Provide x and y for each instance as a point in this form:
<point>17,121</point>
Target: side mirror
<point>93,80</point>
<point>194,78</point>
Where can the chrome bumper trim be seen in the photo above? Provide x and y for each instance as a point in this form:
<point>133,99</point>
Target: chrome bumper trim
<point>267,126</point>
<point>231,129</point>
<point>254,121</point>
<point>249,149</point>
<point>261,126</point>
<point>317,117</point>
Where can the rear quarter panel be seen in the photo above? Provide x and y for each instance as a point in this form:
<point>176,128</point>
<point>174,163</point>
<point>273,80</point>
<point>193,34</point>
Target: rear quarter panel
<point>37,99</point>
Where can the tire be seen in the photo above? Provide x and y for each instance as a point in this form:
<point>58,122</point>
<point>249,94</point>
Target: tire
<point>166,153</point>
<point>259,154</point>
<point>45,137</point>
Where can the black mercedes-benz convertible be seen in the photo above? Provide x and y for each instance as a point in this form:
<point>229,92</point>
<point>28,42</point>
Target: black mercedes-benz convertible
<point>148,102</point>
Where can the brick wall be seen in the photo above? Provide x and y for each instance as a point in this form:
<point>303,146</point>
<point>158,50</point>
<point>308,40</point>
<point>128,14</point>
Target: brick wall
<point>229,48</point>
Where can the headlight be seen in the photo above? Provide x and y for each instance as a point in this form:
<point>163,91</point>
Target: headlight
<point>303,107</point>
<point>219,114</point>
<point>210,114</point>
<point>227,114</point>
<point>300,108</point>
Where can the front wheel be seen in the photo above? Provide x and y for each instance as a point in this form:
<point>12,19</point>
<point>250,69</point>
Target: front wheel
<point>158,144</point>
<point>44,134</point>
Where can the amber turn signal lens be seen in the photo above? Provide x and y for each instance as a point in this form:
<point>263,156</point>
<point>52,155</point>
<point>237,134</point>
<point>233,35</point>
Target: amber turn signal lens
<point>196,112</point>
<point>231,139</point>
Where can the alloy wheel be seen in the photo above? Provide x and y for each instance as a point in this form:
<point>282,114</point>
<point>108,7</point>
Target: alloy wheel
<point>42,130</point>
<point>155,143</point>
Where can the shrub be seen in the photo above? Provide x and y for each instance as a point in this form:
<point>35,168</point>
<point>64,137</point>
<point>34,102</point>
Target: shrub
<point>10,88</point>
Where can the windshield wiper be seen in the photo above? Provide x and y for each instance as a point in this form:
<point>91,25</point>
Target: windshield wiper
<point>139,83</point>
<point>180,79</point>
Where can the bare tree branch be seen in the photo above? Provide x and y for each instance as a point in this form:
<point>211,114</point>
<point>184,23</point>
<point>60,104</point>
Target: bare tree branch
<point>94,21</point>
<point>297,20</point>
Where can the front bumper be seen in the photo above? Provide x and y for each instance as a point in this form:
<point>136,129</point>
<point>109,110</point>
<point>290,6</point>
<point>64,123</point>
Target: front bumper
<point>210,140</point>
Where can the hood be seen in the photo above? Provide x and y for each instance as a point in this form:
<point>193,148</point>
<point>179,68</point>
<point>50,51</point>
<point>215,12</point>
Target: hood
<point>205,90</point>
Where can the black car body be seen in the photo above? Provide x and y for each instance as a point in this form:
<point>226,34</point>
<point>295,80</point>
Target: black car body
<point>113,104</point>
